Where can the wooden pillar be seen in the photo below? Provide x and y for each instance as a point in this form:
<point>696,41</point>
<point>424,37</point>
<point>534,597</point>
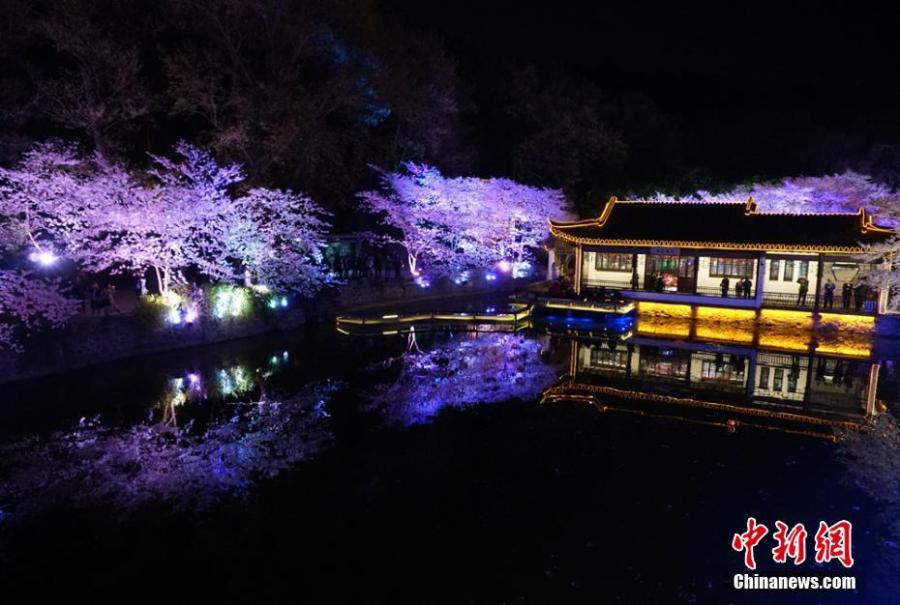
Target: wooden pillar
<point>887,264</point>
<point>579,254</point>
<point>820,271</point>
<point>760,279</point>
<point>751,373</point>
<point>696,272</point>
<point>690,364</point>
<point>634,271</point>
<point>573,358</point>
<point>810,359</point>
<point>872,389</point>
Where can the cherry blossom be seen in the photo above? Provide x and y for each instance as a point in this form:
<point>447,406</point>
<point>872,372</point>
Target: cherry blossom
<point>451,225</point>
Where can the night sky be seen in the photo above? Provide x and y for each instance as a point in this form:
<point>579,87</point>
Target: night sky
<point>780,88</point>
<point>617,98</point>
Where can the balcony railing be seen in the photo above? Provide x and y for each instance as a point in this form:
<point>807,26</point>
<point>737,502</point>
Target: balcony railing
<point>778,300</point>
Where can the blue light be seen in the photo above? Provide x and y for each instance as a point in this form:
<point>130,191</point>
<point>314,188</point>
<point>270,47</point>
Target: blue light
<point>284,301</point>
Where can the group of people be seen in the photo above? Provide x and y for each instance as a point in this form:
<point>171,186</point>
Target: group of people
<point>560,288</point>
<point>375,265</point>
<point>743,288</point>
<point>100,300</point>
<point>856,295</point>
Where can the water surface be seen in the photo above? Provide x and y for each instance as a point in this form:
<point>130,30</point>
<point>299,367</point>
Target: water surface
<point>549,464</point>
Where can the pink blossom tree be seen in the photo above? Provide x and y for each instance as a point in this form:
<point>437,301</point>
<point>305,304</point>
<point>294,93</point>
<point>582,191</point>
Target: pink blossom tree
<point>453,224</point>
<point>183,214</point>
<point>40,198</point>
<point>845,192</point>
<point>278,236</point>
<point>28,304</point>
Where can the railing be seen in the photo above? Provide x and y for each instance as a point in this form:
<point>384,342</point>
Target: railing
<point>840,304</point>
<point>699,290</point>
<point>779,300</point>
<point>518,316</point>
<point>729,293</point>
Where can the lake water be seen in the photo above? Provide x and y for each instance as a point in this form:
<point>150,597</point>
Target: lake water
<point>566,462</point>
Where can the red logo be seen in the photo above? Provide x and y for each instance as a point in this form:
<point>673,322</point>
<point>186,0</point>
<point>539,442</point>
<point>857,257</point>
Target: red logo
<point>791,544</point>
<point>748,540</point>
<point>832,542</point>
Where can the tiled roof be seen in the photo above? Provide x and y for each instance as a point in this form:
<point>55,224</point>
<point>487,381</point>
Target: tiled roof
<point>738,226</point>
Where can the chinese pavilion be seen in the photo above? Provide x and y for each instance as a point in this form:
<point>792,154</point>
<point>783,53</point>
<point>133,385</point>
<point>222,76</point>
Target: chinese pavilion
<point>721,254</point>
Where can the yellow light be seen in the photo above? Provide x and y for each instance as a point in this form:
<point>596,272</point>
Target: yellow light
<point>621,309</point>
<point>733,325</point>
<point>672,309</point>
<point>664,319</point>
<point>852,322</point>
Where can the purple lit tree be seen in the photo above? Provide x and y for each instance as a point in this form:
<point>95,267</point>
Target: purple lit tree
<point>845,192</point>
<point>41,201</point>
<point>279,237</point>
<point>450,225</point>
<point>29,303</point>
<point>185,216</point>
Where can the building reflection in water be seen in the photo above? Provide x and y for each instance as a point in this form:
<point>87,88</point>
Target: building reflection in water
<point>779,370</point>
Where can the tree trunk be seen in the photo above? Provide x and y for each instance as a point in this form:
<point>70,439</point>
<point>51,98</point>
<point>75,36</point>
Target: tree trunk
<point>159,282</point>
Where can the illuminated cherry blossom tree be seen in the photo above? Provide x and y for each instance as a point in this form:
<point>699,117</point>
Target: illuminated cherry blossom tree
<point>29,303</point>
<point>41,198</point>
<point>845,192</point>
<point>453,224</point>
<point>279,237</point>
<point>182,215</point>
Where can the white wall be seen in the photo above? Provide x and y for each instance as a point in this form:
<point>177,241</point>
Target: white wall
<point>697,360</point>
<point>705,281</point>
<point>761,390</point>
<point>590,273</point>
<point>789,287</point>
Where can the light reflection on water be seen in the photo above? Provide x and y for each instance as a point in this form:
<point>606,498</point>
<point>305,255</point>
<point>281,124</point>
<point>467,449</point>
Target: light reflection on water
<point>211,428</point>
<point>215,428</point>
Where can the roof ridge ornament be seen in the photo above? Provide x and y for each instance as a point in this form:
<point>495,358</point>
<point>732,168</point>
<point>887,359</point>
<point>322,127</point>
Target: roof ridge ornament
<point>751,207</point>
<point>607,210</point>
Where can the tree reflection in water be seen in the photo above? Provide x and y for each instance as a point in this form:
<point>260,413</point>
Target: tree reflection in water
<point>872,462</point>
<point>470,369</point>
<point>182,463</point>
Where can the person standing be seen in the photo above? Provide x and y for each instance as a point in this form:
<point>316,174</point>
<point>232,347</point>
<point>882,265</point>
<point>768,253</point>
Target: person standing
<point>859,297</point>
<point>748,288</point>
<point>109,300</point>
<point>724,285</point>
<point>846,291</point>
<point>801,293</point>
<point>829,294</point>
<point>96,299</point>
